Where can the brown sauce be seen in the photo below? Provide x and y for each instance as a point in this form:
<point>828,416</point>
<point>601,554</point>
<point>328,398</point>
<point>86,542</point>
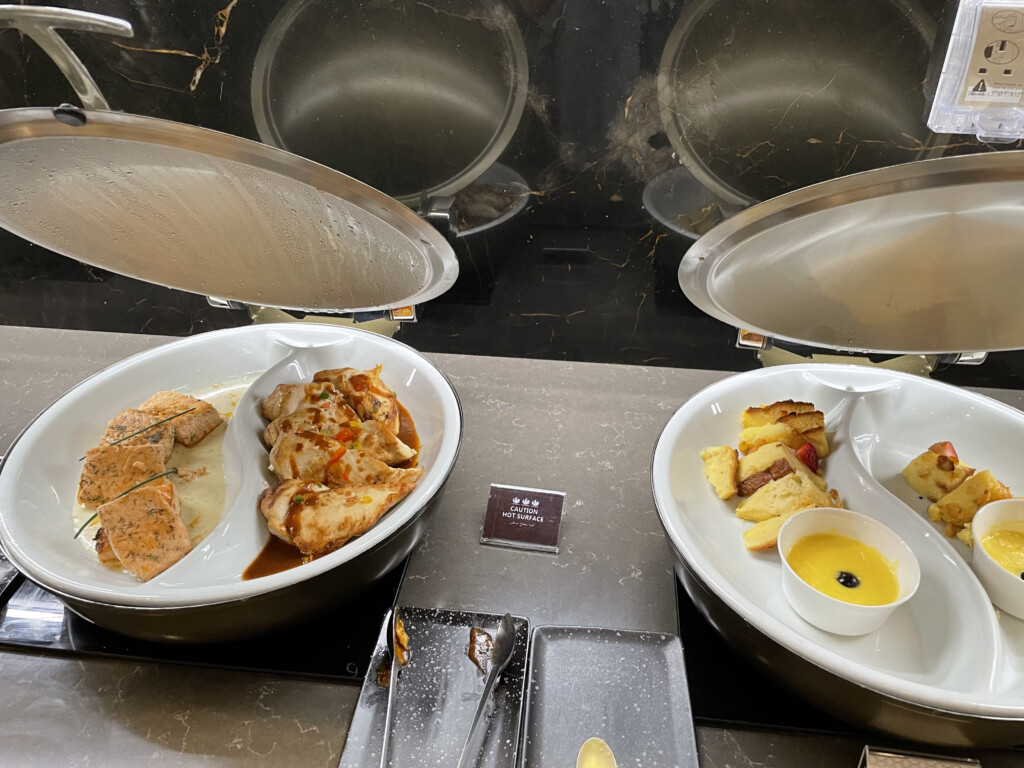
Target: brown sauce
<point>407,434</point>
<point>275,557</point>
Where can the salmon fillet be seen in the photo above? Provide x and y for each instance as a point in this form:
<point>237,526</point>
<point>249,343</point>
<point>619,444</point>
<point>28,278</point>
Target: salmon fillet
<point>191,427</point>
<point>111,470</point>
<point>145,530</point>
<point>130,421</point>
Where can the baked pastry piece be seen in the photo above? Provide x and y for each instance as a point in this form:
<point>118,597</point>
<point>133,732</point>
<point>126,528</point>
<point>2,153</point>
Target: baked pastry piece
<point>765,535</point>
<point>792,492</point>
<point>960,505</point>
<point>720,466</point>
<point>769,414</point>
<point>770,462</point>
<point>753,438</point>
<point>769,423</point>
<point>934,475</point>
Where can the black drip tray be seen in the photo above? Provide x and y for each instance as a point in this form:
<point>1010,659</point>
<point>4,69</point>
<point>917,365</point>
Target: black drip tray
<point>337,645</point>
<point>726,689</point>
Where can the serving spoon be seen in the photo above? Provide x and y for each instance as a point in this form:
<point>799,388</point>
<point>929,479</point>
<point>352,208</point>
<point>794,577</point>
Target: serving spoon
<point>501,654</point>
<point>595,753</point>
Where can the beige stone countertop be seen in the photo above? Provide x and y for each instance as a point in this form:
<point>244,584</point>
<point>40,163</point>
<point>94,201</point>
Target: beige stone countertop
<point>592,429</point>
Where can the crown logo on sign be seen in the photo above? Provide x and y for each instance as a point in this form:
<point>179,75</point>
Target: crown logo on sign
<point>535,503</point>
<point>515,499</point>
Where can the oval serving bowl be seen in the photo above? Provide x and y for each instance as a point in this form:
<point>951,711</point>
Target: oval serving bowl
<point>944,669</point>
<point>203,597</point>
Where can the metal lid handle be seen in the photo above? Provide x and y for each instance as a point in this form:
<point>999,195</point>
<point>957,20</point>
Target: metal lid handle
<point>41,24</point>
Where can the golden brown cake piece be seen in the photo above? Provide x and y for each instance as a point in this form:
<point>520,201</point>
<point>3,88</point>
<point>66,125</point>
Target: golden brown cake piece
<point>189,428</point>
<point>934,475</point>
<point>817,438</point>
<point>792,492</point>
<point>720,465</point>
<point>769,414</point>
<point>145,530</point>
<point>765,535</point>
<point>767,456</point>
<point>753,438</point>
<point>139,425</point>
<point>805,421</point>
<point>959,506</point>
<point>110,470</point>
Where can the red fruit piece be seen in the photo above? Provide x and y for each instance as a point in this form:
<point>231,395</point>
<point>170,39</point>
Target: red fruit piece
<point>945,448</point>
<point>808,456</point>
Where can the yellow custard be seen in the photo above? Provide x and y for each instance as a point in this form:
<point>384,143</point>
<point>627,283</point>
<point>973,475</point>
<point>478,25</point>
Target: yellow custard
<point>1005,544</point>
<point>844,568</point>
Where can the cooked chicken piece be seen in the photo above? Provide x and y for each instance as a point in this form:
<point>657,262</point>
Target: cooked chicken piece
<point>288,398</point>
<point>319,520</point>
<point>145,529</point>
<point>312,457</point>
<point>381,443</point>
<point>326,421</point>
<point>304,456</point>
<point>189,428</point>
<point>111,470</point>
<point>356,468</point>
<point>367,393</point>
<point>139,424</point>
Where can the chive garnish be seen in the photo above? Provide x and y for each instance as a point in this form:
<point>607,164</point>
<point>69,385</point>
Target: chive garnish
<point>86,524</point>
<point>145,429</point>
<point>123,493</point>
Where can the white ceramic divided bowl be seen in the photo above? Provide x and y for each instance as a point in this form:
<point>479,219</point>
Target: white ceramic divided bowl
<point>203,597</point>
<point>944,669</point>
<point>827,612</point>
<point>1005,589</point>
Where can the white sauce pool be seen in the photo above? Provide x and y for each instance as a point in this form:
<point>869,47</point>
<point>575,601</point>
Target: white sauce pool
<point>202,497</point>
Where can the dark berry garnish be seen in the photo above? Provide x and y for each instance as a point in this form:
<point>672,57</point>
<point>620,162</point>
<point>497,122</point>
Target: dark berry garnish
<point>848,580</point>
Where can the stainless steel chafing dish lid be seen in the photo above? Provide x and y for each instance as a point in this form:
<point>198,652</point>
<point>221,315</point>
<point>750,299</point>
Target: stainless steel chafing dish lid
<point>212,214</point>
<point>920,258</point>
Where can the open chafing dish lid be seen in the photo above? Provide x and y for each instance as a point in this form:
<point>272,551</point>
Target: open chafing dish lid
<point>920,258</point>
<point>213,214</point>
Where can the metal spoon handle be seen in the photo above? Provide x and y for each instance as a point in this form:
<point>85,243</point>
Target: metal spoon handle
<point>504,643</point>
<point>471,751</point>
<point>392,685</point>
